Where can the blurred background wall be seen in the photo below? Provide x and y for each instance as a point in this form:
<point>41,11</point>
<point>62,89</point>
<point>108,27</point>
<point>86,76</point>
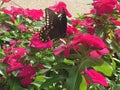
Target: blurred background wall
<point>74,6</point>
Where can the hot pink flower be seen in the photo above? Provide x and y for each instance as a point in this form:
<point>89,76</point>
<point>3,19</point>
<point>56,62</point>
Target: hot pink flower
<point>10,49</point>
<point>19,51</point>
<point>13,65</point>
<point>26,81</point>
<point>96,77</point>
<point>4,28</point>
<point>6,0</point>
<point>34,14</point>
<point>117,32</point>
<point>14,11</point>
<point>75,22</point>
<point>63,48</point>
<point>91,30</point>
<point>118,7</point>
<point>27,73</point>
<point>40,66</point>
<point>60,49</point>
<point>100,6</point>
<point>59,7</point>
<point>13,56</point>
<point>71,30</point>
<point>66,48</point>
<point>22,27</point>
<point>83,39</point>
<point>93,41</point>
<point>8,59</point>
<point>88,22</point>
<point>37,43</point>
<point>99,53</point>
<point>115,22</point>
<point>13,62</point>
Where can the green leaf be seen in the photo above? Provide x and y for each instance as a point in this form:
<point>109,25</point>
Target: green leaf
<point>69,62</point>
<point>15,84</point>
<point>105,68</point>
<point>117,87</point>
<point>74,79</point>
<point>52,80</point>
<point>83,85</point>
<point>4,17</point>
<point>19,19</point>
<point>38,24</point>
<point>7,33</point>
<point>39,80</point>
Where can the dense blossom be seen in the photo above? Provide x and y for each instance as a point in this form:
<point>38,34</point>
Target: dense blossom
<point>99,53</point>
<point>22,27</point>
<point>28,13</point>
<point>34,14</point>
<point>13,65</point>
<point>14,11</point>
<point>94,36</point>
<point>59,8</point>
<point>60,49</point>
<point>13,60</point>
<point>27,73</point>
<point>96,77</point>
<point>100,6</point>
<point>88,22</point>
<point>117,32</point>
<point>116,22</point>
<point>6,0</point>
<point>5,28</point>
<point>84,39</point>
<point>93,41</point>
<point>75,22</point>
<point>118,7</point>
<point>66,48</point>
<point>14,54</point>
<point>38,44</point>
<point>71,30</point>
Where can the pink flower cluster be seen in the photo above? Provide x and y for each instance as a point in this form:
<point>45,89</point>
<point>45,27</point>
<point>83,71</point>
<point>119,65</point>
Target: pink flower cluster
<point>99,47</point>
<point>6,0</point>
<point>95,77</point>
<point>14,59</point>
<point>27,73</point>
<point>38,44</point>
<point>87,23</point>
<point>59,7</point>
<point>22,28</point>
<point>14,54</point>
<point>71,30</point>
<point>33,13</point>
<point>104,6</point>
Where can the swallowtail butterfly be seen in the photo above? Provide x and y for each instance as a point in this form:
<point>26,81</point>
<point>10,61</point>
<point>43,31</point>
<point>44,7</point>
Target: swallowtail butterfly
<point>55,26</point>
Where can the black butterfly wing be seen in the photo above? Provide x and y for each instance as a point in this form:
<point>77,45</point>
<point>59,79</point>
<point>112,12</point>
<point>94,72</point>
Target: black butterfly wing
<point>55,27</point>
<point>54,24</point>
<point>63,21</point>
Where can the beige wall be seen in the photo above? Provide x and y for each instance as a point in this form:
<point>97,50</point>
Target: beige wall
<point>74,6</point>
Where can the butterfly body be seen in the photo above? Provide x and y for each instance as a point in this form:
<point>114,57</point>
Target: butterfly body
<point>55,27</point>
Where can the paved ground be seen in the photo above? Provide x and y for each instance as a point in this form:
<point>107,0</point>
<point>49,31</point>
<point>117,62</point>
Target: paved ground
<point>74,6</point>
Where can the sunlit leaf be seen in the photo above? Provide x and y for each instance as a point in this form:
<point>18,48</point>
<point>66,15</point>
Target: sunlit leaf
<point>83,85</point>
<point>105,68</point>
